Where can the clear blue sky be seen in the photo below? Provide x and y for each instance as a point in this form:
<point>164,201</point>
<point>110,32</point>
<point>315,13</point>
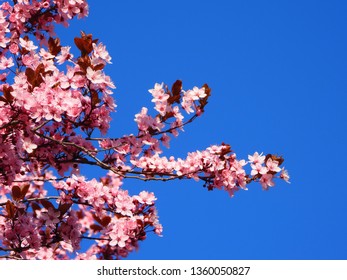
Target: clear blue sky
<point>277,70</point>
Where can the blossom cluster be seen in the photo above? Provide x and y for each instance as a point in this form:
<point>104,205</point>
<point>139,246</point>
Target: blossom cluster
<point>45,104</point>
<point>54,105</point>
<point>119,220</point>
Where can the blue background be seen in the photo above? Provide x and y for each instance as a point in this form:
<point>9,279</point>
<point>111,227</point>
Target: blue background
<point>277,70</point>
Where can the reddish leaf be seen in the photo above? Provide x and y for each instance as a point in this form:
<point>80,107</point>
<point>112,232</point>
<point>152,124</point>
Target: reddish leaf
<point>203,101</point>
<point>84,62</point>
<point>176,87</point>
<point>99,67</point>
<point>35,206</point>
<point>85,43</point>
<point>207,90</point>
<point>226,149</point>
<point>24,50</point>
<point>105,221</point>
<point>54,46</point>
<point>96,227</point>
<point>176,92</point>
<point>82,73</point>
<point>118,216</point>
<point>63,208</point>
<point>139,222</point>
<point>57,85</point>
<point>46,204</point>
<point>40,69</point>
<point>24,190</point>
<point>30,74</point>
<point>16,193</point>
<point>35,77</point>
<point>94,97</point>
<point>48,232</point>
<point>142,236</point>
<point>96,218</point>
<point>7,93</point>
<point>279,159</point>
<point>80,214</point>
<point>10,209</point>
<point>79,43</point>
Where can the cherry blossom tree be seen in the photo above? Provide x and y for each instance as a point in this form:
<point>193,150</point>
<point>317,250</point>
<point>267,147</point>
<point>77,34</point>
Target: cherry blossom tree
<point>55,111</point>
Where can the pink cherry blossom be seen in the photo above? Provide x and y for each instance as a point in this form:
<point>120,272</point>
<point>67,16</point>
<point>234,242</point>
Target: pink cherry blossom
<point>6,63</point>
<point>266,181</point>
<point>28,45</point>
<point>14,48</point>
<point>272,165</point>
<point>258,168</point>
<point>96,77</point>
<point>101,52</point>
<point>284,175</point>
<point>145,198</point>
<point>45,54</point>
<point>51,217</point>
<point>257,158</point>
<point>28,145</point>
<point>64,55</point>
<point>118,238</point>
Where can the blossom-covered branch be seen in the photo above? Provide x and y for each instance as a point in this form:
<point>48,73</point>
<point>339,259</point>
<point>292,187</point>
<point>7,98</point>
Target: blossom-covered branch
<point>54,105</point>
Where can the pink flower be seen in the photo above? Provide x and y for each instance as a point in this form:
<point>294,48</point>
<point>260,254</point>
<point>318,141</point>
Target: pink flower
<point>161,108</point>
<point>51,216</point>
<point>158,229</point>
<point>22,13</point>
<point>272,165</point>
<point>256,158</point>
<point>101,52</point>
<point>64,55</point>
<point>157,90</point>
<point>118,239</point>
<point>124,203</point>
<point>284,175</point>
<point>3,40</point>
<point>266,181</point>
<point>196,93</point>
<point>71,79</point>
<point>6,63</point>
<point>45,54</point>
<point>165,139</point>
<point>142,119</point>
<point>258,169</point>
<point>96,77</point>
<point>187,104</point>
<point>14,48</point>
<point>145,198</point>
<point>28,45</point>
<point>45,253</point>
<point>28,145</point>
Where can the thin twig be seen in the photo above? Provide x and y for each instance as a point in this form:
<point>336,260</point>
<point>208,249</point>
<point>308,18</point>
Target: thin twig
<point>34,199</point>
<point>94,238</point>
<point>41,125</point>
<point>42,180</point>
